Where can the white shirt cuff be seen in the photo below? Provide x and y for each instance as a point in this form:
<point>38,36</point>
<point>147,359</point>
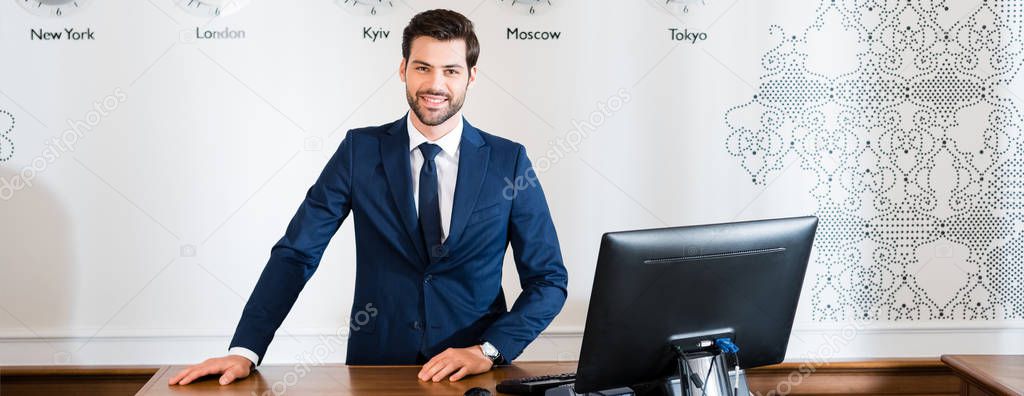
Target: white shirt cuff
<point>246,353</point>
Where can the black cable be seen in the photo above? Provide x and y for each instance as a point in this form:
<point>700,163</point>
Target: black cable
<point>693,377</point>
<point>684,371</point>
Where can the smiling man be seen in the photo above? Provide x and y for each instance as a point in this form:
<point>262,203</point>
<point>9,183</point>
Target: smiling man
<point>433,220</point>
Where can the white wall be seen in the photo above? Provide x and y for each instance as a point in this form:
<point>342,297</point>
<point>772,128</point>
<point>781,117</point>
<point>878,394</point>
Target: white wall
<point>145,228</point>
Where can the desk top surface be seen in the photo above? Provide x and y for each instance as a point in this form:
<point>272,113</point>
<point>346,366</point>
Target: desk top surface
<point>346,380</point>
<point>999,374</point>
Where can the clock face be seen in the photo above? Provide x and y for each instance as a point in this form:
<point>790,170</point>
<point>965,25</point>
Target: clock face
<point>366,7</point>
<point>528,7</point>
<point>678,7</point>
<point>212,8</point>
<point>54,8</point>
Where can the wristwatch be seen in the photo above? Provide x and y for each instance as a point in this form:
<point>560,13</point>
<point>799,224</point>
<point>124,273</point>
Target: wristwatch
<point>490,351</point>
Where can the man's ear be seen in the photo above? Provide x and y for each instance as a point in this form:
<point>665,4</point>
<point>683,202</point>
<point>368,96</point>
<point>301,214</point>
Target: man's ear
<point>472,76</point>
<point>401,70</point>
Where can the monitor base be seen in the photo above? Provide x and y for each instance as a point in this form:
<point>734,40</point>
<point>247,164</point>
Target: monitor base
<point>668,387</point>
<point>707,375</point>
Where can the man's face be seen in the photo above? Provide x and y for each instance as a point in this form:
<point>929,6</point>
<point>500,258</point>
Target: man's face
<point>436,78</point>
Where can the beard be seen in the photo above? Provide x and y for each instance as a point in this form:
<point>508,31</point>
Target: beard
<point>434,117</point>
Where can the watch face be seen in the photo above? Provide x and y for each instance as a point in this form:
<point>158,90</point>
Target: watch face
<point>366,7</point>
<point>54,8</point>
<point>210,8</point>
<point>489,350</point>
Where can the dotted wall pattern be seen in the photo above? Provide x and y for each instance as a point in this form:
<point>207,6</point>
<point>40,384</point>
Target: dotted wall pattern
<point>6,135</point>
<point>905,114</point>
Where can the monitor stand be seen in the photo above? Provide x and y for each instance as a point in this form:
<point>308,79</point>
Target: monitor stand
<point>707,375</point>
<point>720,382</point>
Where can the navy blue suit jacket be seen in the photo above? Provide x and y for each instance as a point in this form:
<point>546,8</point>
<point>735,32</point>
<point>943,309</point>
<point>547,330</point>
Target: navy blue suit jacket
<point>403,305</point>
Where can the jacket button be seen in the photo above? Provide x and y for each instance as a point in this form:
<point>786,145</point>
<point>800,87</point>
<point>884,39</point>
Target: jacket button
<point>417,325</point>
<point>426,279</point>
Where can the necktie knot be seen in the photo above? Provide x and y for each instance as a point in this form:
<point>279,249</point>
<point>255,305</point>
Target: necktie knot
<point>429,151</point>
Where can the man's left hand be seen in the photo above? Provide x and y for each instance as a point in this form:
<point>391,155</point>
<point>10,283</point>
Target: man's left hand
<point>461,361</point>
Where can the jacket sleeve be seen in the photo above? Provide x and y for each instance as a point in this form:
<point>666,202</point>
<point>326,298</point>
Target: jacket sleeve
<point>295,257</point>
<point>539,262</point>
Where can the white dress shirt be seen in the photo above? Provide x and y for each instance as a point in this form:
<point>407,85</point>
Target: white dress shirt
<point>447,162</point>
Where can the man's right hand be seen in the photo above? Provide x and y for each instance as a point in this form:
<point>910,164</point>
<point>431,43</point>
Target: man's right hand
<point>230,367</point>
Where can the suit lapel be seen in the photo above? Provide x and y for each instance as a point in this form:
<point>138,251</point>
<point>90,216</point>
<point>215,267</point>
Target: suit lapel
<point>473,157</point>
<point>397,167</point>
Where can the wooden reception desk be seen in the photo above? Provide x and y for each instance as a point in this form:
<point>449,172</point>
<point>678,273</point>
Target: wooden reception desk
<point>345,380</point>
<point>866,377</point>
<point>988,375</point>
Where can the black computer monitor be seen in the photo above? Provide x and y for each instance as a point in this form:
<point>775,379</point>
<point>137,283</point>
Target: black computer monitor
<point>656,286</point>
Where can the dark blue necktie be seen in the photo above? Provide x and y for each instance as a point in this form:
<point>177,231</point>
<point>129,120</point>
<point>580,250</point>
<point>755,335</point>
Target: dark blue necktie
<point>429,206</point>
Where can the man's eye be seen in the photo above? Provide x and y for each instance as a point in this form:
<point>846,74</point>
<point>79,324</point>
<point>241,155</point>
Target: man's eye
<point>421,68</point>
<point>452,72</point>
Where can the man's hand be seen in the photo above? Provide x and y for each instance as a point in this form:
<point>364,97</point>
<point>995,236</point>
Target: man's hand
<point>231,367</point>
<point>461,361</point>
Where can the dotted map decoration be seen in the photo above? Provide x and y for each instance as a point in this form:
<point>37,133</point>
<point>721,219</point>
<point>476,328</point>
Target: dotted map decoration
<point>905,113</point>
<point>6,140</point>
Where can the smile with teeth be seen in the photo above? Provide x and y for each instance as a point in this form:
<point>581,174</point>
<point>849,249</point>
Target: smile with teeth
<point>433,100</point>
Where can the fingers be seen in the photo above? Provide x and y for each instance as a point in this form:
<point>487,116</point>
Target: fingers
<point>189,373</point>
<point>432,367</point>
<point>195,374</point>
<point>459,374</point>
<point>230,367</point>
<point>422,375</point>
<point>454,364</point>
<point>227,377</point>
<point>447,369</point>
<point>233,373</point>
<point>181,374</point>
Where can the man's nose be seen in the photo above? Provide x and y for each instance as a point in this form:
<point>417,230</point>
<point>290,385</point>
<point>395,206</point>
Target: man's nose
<point>437,81</point>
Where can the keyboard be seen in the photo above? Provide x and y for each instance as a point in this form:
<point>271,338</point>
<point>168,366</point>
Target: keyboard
<point>535,385</point>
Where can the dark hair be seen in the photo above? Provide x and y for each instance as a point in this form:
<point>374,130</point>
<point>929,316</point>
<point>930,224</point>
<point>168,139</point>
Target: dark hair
<point>442,25</point>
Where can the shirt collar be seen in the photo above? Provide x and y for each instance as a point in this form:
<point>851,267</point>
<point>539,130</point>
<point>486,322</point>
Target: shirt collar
<point>449,143</point>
